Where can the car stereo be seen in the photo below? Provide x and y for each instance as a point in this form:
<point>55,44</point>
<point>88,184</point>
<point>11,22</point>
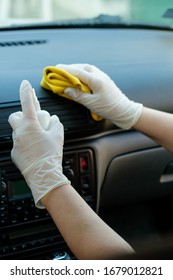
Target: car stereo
<point>25,231</point>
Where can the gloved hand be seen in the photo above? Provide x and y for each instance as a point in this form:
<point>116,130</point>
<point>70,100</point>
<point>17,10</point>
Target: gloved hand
<point>106,99</point>
<point>37,147</point>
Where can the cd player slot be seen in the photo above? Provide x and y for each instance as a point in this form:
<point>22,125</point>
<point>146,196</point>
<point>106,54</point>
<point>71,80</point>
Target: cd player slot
<point>30,238</point>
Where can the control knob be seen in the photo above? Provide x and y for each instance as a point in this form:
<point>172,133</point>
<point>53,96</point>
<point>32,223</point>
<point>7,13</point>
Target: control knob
<point>69,173</point>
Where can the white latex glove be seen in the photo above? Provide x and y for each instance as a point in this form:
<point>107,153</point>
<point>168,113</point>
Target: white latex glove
<point>107,99</point>
<point>37,146</point>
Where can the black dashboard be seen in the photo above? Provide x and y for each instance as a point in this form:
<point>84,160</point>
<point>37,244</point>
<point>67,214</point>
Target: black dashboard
<point>140,61</point>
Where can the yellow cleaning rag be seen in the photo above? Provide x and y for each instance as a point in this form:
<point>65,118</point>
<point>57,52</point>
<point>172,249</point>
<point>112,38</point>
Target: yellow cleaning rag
<point>57,80</point>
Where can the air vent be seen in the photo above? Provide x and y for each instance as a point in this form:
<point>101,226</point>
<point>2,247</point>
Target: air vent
<point>73,116</point>
<point>22,43</point>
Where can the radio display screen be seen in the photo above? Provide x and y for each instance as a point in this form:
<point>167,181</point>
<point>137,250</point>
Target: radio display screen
<point>18,189</point>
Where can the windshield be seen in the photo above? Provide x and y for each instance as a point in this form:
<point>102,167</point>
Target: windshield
<point>26,11</point>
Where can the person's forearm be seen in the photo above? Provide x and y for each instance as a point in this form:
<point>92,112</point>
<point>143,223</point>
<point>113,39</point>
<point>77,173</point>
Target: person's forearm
<point>158,126</point>
<point>86,234</point>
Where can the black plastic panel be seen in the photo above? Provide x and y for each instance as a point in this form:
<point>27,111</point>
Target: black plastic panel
<point>135,177</point>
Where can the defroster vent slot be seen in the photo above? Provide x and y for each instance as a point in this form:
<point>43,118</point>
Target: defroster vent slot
<point>22,43</point>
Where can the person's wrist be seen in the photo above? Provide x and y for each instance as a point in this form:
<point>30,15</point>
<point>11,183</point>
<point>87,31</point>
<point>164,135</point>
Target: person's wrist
<point>44,177</point>
<point>126,113</point>
<point>46,192</point>
<point>47,198</point>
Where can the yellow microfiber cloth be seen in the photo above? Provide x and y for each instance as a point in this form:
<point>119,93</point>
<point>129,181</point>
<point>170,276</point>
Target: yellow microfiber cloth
<point>57,80</point>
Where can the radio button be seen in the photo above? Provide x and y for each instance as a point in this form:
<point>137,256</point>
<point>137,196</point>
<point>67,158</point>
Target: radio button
<point>24,246</point>
<point>5,250</point>
<point>14,249</point>
<point>46,214</point>
<point>33,243</point>
<point>14,221</point>
<point>4,221</point>
<point>36,216</point>
<point>3,187</point>
<point>68,161</point>
<point>3,238</point>
<point>85,185</point>
<point>69,173</point>
<point>3,202</point>
<point>2,215</point>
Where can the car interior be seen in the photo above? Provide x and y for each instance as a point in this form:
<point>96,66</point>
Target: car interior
<point>123,175</point>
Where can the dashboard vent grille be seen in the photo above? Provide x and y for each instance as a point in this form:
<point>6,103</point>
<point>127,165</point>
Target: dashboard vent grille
<point>72,115</point>
<point>22,43</point>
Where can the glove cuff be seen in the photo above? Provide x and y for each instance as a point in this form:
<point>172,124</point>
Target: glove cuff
<point>127,113</point>
<point>44,176</point>
<point>130,117</point>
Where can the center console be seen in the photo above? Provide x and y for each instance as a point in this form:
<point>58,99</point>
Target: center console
<point>25,231</point>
